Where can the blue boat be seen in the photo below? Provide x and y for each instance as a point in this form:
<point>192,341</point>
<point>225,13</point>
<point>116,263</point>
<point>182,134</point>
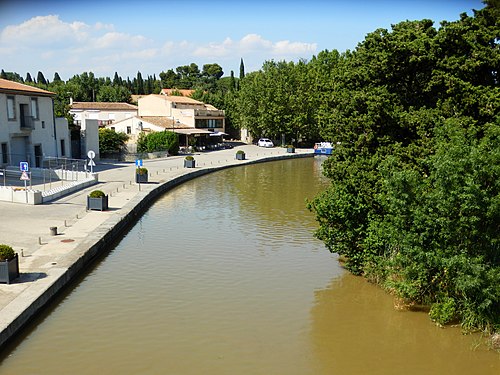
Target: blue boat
<point>323,148</point>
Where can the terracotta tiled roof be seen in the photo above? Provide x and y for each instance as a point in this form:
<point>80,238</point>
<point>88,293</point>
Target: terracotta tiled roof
<point>182,92</point>
<point>15,87</point>
<point>163,122</point>
<point>104,106</point>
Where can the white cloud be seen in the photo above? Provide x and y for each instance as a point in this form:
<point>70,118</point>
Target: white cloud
<point>285,47</point>
<point>49,44</point>
<point>119,40</point>
<point>43,31</point>
<point>256,44</point>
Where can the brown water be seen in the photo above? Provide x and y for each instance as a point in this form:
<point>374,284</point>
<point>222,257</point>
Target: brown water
<point>223,276</point>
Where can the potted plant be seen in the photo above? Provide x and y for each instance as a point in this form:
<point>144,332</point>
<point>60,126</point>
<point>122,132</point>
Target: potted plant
<point>189,162</point>
<point>9,264</point>
<point>141,175</point>
<point>97,200</point>
<point>290,149</point>
<point>240,155</point>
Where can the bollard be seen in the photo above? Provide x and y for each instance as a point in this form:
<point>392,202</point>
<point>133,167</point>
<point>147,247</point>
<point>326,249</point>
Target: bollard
<point>65,224</point>
<point>53,231</point>
<point>39,240</point>
<point>22,253</point>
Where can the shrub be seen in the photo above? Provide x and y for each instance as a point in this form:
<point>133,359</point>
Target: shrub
<point>290,146</point>
<point>158,141</point>
<point>6,253</point>
<point>240,152</point>
<point>97,194</point>
<point>443,312</point>
<point>189,157</point>
<point>141,170</point>
<point>111,141</point>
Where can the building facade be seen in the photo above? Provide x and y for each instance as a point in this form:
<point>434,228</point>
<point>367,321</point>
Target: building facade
<point>193,120</point>
<point>29,131</point>
<point>104,113</point>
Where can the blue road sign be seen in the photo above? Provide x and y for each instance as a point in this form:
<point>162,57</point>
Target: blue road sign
<point>138,163</point>
<point>23,166</point>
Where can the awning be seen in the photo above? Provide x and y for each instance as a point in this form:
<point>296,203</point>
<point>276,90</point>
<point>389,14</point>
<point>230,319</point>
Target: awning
<point>192,131</point>
<point>217,134</point>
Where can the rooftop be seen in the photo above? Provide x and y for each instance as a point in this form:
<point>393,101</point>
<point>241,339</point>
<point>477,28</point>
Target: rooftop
<point>104,106</point>
<point>7,86</point>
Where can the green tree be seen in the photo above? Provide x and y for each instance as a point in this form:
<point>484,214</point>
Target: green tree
<point>111,142</point>
<point>413,201</point>
<point>158,141</point>
<point>40,79</point>
<point>242,69</point>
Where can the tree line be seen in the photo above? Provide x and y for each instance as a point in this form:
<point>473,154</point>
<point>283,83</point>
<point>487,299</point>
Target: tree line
<point>414,200</point>
<point>414,113</point>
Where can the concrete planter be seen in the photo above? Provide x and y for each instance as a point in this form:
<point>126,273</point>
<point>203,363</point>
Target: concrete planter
<point>141,178</point>
<point>240,156</point>
<point>290,150</point>
<point>9,270</point>
<point>189,163</point>
<point>98,204</point>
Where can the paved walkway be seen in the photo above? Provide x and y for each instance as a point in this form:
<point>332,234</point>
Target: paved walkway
<point>44,258</point>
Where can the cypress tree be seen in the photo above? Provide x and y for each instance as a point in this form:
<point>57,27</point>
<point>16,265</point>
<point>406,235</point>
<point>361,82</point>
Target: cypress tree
<point>232,82</point>
<point>242,69</point>
<point>41,79</point>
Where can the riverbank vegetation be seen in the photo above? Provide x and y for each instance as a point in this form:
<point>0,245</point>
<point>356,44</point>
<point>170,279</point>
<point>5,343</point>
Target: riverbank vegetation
<point>414,201</point>
<point>414,112</point>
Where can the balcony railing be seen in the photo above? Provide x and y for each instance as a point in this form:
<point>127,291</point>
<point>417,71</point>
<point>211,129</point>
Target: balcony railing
<point>208,113</point>
<point>27,123</point>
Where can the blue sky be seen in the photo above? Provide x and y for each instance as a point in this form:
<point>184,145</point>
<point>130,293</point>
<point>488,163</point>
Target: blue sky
<point>71,37</point>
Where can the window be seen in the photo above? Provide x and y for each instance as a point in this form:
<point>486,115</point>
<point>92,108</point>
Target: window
<point>34,108</point>
<point>129,130</point>
<point>5,154</point>
<point>11,108</point>
<point>63,148</point>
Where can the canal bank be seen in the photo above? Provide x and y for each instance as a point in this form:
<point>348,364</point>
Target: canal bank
<point>48,263</point>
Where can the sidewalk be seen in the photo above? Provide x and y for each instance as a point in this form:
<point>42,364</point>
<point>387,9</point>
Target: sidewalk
<point>48,262</point>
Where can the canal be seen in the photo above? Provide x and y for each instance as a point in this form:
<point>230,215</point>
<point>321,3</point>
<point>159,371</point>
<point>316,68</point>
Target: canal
<point>222,275</point>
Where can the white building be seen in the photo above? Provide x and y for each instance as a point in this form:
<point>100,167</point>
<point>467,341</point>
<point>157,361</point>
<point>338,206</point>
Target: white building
<point>189,118</point>
<point>105,113</point>
<point>29,130</point>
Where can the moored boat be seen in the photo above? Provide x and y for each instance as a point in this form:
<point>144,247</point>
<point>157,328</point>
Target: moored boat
<point>323,148</point>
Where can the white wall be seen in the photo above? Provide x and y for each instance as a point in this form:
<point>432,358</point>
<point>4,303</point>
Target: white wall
<point>90,137</point>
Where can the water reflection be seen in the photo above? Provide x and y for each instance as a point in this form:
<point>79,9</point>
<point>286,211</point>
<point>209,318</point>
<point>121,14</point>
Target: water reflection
<point>356,330</point>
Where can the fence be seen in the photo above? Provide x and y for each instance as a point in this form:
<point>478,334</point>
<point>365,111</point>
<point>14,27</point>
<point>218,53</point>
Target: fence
<point>55,172</point>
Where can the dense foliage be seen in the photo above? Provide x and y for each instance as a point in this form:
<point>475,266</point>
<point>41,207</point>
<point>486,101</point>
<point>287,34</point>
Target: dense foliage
<point>414,201</point>
<point>111,142</point>
<point>159,141</point>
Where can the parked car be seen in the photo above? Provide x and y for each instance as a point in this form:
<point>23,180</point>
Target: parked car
<point>265,142</point>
